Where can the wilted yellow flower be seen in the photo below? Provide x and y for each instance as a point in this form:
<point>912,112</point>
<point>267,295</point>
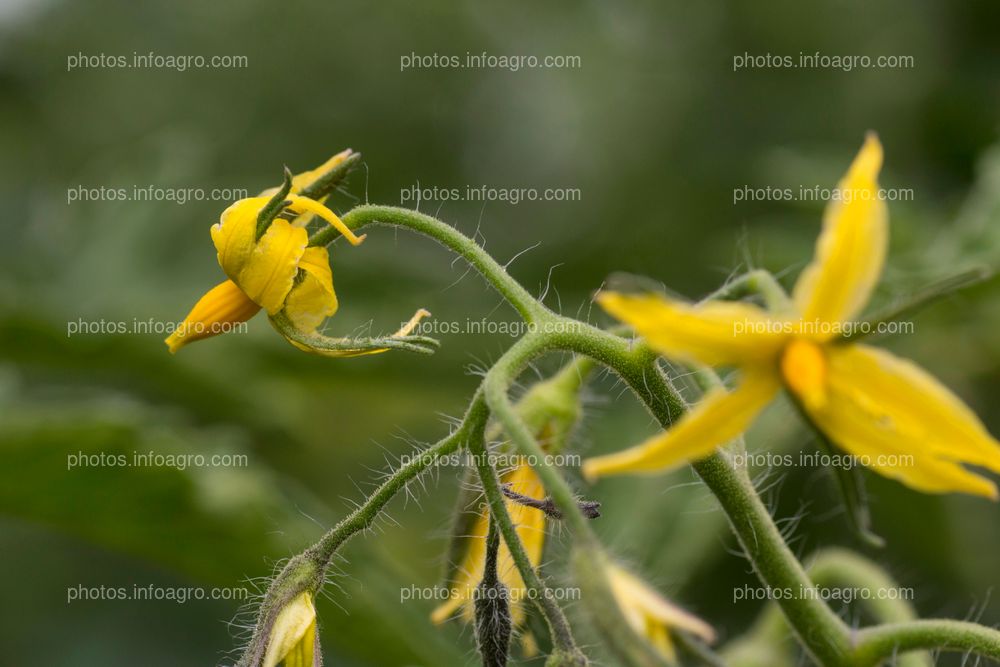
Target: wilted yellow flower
<point>651,615</point>
<point>868,401</point>
<point>530,526</point>
<point>293,641</point>
<point>278,272</point>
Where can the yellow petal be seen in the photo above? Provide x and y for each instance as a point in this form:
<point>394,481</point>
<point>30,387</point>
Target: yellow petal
<point>268,276</point>
<point>530,526</point>
<point>312,298</point>
<point>293,634</point>
<point>715,333</point>
<point>718,418</point>
<point>235,235</point>
<point>631,592</point>
<point>851,249</point>
<point>659,637</point>
<point>888,410</point>
<point>303,654</point>
<point>216,312</point>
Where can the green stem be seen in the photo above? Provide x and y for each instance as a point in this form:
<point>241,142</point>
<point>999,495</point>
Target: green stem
<point>528,307</point>
<point>562,636</point>
<point>877,644</point>
<point>756,282</point>
<point>765,642</point>
<point>363,517</point>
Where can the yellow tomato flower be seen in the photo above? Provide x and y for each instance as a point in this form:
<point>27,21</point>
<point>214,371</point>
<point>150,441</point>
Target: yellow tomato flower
<point>651,615</point>
<point>884,410</point>
<point>278,272</point>
<point>530,526</point>
<point>293,641</point>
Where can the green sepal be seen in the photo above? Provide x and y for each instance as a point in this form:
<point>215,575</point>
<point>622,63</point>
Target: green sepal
<point>274,206</point>
<point>317,343</point>
<point>328,181</point>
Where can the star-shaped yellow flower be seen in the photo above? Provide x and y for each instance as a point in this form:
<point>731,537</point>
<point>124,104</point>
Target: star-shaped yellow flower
<point>651,615</point>
<point>278,272</point>
<point>889,413</point>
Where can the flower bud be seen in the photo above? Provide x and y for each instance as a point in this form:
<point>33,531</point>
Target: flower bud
<point>493,622</point>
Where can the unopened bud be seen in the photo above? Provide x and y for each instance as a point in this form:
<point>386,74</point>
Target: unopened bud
<point>493,623</point>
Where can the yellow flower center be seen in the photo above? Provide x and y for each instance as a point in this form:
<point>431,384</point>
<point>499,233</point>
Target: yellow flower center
<point>804,370</point>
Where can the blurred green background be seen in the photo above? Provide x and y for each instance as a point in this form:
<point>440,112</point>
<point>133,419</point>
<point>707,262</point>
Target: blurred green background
<point>655,129</point>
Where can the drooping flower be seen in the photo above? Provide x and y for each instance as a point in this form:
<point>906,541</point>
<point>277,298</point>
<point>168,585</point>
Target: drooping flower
<point>651,615</point>
<point>530,526</point>
<point>276,271</point>
<point>886,411</point>
<point>293,641</point>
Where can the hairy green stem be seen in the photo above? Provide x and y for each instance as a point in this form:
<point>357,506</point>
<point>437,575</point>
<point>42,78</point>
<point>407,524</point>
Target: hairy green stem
<point>755,282</point>
<point>879,643</point>
<point>364,516</point>
<point>562,636</point>
<point>528,307</point>
<point>765,643</point>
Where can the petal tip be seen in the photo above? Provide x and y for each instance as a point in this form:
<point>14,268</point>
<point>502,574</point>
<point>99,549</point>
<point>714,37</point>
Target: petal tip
<point>869,159</point>
<point>173,343</point>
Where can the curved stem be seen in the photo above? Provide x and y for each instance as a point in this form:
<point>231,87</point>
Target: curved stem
<point>876,644</point>
<point>528,307</point>
<point>828,568</point>
<point>756,282</point>
<point>363,517</point>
